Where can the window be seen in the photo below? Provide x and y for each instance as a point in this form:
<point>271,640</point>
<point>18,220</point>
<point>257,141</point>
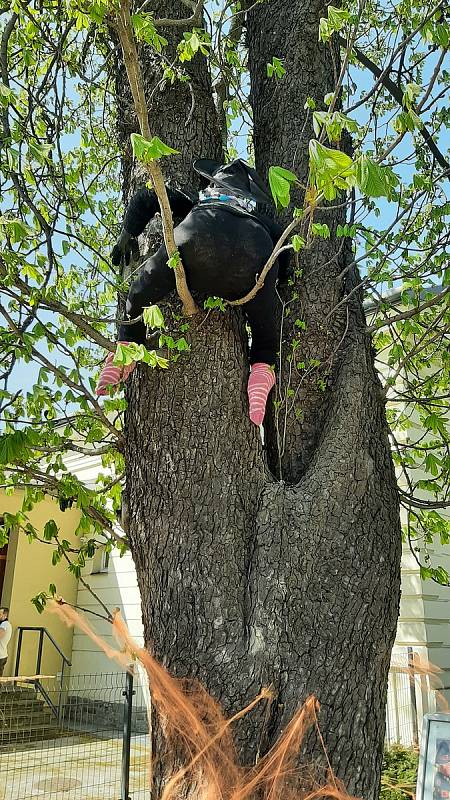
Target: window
<point>100,561</point>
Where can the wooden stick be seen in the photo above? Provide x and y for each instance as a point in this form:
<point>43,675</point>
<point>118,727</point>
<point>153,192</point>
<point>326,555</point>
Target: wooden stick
<point>124,28</point>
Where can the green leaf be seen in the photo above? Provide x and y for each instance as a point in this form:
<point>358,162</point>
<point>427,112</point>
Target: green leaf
<point>297,243</point>
<point>50,530</point>
<point>280,182</point>
<point>436,423</point>
<point>182,345</point>
<point>126,354</point>
<point>174,260</point>
<point>40,601</point>
<point>412,90</point>
<point>337,18</point>
<point>331,170</point>
<point>346,231</point>
<point>276,69</point>
<point>153,317</point>
<point>334,124</point>
<point>310,103</point>
<point>193,42</point>
<point>144,28</point>
<point>147,151</point>
<point>17,229</point>
<point>6,95</point>
<point>375,180</point>
<point>17,447</point>
<point>153,360</point>
<point>289,176</point>
<point>214,302</point>
<point>319,229</point>
<point>38,151</point>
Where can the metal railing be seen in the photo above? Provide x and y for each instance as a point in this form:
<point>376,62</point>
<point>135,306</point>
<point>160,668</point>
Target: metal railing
<point>43,632</point>
<point>411,694</point>
<point>100,746</point>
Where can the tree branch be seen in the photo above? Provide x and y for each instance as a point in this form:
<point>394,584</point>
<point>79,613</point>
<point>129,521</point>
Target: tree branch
<point>396,92</point>
<point>419,503</point>
<point>394,54</point>
<point>123,26</point>
<point>9,27</point>
<point>195,20</point>
<point>66,380</point>
<point>72,316</point>
<point>411,313</point>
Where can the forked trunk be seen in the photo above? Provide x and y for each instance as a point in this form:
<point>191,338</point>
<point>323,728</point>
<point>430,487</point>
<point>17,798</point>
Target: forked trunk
<point>247,580</point>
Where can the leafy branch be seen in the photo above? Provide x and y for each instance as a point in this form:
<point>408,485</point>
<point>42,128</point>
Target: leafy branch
<point>194,20</point>
<point>123,26</point>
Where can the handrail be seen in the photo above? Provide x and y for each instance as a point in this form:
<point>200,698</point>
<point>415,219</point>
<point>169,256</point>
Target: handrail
<point>43,631</point>
<point>57,710</point>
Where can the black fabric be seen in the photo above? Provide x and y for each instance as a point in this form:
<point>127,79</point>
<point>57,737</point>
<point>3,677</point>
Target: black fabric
<point>144,205</point>
<point>2,665</point>
<point>237,176</point>
<point>223,250</point>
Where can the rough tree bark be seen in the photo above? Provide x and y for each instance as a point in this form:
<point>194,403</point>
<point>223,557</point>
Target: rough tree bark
<point>247,580</point>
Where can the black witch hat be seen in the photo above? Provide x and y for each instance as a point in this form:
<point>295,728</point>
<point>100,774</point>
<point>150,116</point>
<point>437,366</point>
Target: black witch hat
<point>237,177</point>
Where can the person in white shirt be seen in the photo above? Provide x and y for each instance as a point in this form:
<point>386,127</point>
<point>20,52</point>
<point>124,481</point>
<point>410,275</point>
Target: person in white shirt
<point>5,636</point>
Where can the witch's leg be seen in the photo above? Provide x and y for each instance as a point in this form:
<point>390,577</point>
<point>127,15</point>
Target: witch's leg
<point>156,280</point>
<point>262,318</point>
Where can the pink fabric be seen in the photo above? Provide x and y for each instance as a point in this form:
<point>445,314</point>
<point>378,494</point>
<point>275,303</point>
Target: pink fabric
<point>112,375</point>
<point>260,382</point>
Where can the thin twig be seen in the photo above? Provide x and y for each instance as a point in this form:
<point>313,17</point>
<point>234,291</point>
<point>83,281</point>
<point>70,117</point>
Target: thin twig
<point>396,92</point>
<point>269,264</point>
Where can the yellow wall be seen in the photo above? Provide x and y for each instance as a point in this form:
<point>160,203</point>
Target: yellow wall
<point>29,570</point>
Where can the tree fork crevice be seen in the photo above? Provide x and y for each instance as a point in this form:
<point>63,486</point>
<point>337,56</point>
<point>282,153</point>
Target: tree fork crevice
<point>327,570</point>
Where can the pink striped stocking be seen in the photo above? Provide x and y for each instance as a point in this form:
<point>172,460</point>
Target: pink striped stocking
<point>260,382</point>
<point>112,375</point>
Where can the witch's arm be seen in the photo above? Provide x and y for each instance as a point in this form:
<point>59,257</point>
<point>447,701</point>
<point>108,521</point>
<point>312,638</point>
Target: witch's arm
<point>141,209</point>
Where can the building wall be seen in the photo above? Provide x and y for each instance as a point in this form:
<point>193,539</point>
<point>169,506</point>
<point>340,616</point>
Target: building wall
<point>29,570</point>
<point>424,619</point>
<point>116,586</point>
<point>432,629</point>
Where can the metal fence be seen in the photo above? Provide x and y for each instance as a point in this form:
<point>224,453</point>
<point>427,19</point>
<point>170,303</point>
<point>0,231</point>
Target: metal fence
<point>411,694</point>
<point>85,740</point>
<point>87,737</point>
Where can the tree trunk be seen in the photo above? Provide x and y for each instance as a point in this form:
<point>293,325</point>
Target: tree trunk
<point>245,580</point>
<point>336,550</point>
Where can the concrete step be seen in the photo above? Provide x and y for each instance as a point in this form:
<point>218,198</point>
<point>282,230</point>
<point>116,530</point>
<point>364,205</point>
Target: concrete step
<point>30,735</point>
<point>25,729</point>
<point>25,723</point>
<point>16,694</point>
<point>22,706</point>
<point>26,718</point>
<point>23,687</point>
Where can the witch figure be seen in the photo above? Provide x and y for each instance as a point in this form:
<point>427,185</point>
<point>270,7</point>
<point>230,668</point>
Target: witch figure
<point>224,241</point>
